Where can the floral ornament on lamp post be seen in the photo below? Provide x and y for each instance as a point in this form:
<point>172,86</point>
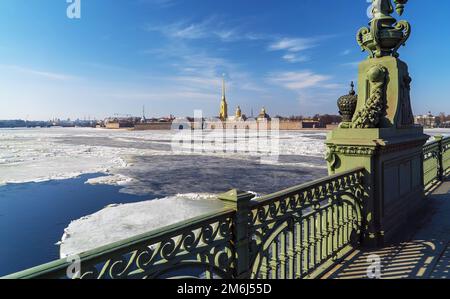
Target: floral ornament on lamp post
<point>369,116</point>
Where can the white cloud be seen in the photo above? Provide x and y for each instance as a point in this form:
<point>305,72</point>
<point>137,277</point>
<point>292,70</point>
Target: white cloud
<point>192,31</point>
<point>39,73</point>
<point>211,27</point>
<point>313,91</point>
<point>294,58</point>
<point>201,72</point>
<point>181,30</point>
<point>292,44</point>
<point>228,35</point>
<point>292,48</point>
<point>201,69</point>
<point>300,80</point>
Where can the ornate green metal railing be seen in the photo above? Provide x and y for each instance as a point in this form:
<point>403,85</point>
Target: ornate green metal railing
<point>446,156</point>
<point>201,248</point>
<point>431,156</point>
<point>290,234</point>
<point>298,232</point>
<point>436,164</point>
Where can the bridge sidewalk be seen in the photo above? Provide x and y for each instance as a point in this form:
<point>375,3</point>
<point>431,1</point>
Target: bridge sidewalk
<point>425,255</point>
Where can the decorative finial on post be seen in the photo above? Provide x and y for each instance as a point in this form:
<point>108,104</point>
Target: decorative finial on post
<point>352,91</point>
<point>347,106</point>
<point>400,6</point>
<point>385,35</point>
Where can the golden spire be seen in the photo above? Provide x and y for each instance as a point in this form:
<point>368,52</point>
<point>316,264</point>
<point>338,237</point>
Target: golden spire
<point>223,87</point>
<point>223,105</point>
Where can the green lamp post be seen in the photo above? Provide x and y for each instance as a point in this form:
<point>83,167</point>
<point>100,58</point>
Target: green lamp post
<point>380,135</point>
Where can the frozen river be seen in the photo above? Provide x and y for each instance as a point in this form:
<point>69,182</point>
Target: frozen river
<point>144,183</point>
<point>144,162</point>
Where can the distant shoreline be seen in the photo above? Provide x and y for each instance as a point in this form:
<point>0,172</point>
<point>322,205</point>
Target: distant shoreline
<point>134,129</point>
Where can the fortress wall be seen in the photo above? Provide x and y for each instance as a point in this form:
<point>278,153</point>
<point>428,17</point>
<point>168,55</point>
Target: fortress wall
<point>153,126</point>
<point>290,125</point>
<point>112,126</point>
<point>230,125</point>
<point>243,125</point>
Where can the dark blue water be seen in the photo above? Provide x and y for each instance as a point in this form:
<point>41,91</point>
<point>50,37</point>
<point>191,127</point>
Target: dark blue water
<point>34,215</point>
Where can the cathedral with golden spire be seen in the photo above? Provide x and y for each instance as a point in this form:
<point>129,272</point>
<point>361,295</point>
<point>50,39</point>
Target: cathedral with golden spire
<point>238,120</point>
<point>223,115</point>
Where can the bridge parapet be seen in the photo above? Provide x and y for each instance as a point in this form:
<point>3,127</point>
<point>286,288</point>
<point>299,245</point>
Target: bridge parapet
<point>295,233</point>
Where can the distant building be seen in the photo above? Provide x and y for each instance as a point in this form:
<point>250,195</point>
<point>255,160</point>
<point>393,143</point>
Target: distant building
<point>263,120</point>
<point>238,121</point>
<point>263,115</point>
<point>121,122</point>
<point>155,124</point>
<point>312,124</point>
<point>238,116</point>
<point>224,121</point>
<point>427,120</point>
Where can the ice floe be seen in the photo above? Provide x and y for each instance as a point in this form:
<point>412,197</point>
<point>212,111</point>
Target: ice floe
<point>119,222</point>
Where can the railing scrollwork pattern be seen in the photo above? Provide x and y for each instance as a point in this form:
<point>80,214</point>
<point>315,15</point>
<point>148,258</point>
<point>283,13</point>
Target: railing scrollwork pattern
<point>436,165</point>
<point>296,231</point>
<point>199,248</point>
<point>446,156</point>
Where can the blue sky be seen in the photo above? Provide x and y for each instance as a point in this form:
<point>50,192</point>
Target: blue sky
<point>291,56</point>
